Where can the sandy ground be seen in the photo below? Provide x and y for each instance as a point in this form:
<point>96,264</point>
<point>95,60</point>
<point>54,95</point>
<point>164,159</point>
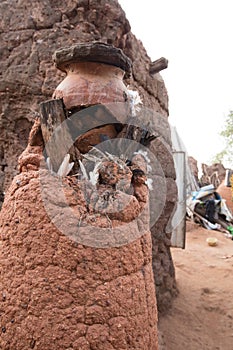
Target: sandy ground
<point>202,315</point>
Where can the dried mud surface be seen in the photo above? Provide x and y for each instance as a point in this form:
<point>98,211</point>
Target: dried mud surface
<point>29,35</point>
<point>56,293</point>
<point>202,315</point>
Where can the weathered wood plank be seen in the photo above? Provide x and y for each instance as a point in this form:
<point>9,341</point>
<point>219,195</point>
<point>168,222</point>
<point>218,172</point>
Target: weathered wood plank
<point>52,115</point>
<point>55,131</point>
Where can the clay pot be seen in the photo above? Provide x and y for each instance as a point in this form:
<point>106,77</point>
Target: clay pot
<point>93,137</point>
<point>94,74</point>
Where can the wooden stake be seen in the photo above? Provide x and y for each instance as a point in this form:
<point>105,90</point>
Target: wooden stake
<point>158,65</point>
<point>55,131</point>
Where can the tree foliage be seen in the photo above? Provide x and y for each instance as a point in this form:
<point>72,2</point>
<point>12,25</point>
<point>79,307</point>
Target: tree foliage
<point>226,155</point>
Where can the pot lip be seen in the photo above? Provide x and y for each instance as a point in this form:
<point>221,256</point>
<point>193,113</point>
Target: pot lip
<point>92,52</point>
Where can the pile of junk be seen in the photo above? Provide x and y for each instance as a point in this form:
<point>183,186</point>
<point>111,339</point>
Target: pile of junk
<point>206,207</point>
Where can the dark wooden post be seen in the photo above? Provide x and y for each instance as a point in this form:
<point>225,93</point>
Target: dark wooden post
<point>55,131</point>
<point>158,65</point>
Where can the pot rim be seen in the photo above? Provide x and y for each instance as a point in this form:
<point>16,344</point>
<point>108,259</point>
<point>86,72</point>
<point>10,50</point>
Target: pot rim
<point>92,52</point>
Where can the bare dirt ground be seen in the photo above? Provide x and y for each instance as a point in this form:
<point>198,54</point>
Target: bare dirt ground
<point>202,315</point>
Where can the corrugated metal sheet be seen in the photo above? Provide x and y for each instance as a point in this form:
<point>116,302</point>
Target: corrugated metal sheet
<point>186,183</point>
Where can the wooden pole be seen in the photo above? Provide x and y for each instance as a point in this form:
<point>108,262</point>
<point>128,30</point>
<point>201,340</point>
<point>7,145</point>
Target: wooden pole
<point>158,65</point>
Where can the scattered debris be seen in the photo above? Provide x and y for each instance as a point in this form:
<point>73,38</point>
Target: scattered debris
<point>208,208</point>
<point>226,257</point>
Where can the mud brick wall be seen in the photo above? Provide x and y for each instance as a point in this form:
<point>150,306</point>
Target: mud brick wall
<point>212,174</point>
<point>30,31</point>
<point>192,162</point>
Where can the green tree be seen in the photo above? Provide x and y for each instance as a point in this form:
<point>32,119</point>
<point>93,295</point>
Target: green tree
<point>226,155</point>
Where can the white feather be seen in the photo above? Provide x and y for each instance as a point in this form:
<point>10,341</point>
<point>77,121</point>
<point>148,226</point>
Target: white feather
<point>69,167</point>
<point>65,166</point>
<point>144,154</point>
<point>148,168</point>
<point>83,170</point>
<point>135,101</point>
<point>94,175</point>
<point>110,156</point>
<point>149,182</point>
<point>49,165</point>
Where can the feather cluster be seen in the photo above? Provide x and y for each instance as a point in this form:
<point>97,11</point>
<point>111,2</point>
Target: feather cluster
<point>98,158</point>
<point>135,101</point>
<point>64,168</point>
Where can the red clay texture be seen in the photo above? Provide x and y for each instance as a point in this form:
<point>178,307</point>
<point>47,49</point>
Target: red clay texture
<point>30,34</point>
<point>56,293</point>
